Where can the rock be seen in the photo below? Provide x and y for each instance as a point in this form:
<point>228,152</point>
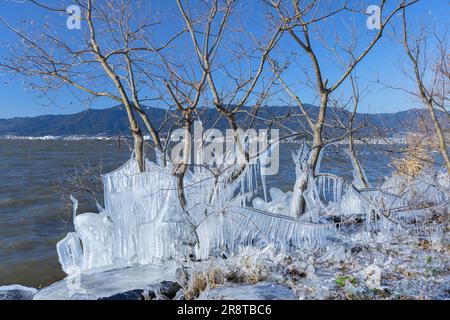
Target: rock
<point>167,289</point>
<point>17,292</point>
<point>259,291</point>
<point>137,294</point>
<point>335,219</point>
<point>359,220</point>
<point>356,249</point>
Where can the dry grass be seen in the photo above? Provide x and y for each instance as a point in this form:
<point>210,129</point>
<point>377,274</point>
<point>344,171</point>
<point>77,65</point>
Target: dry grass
<point>198,281</point>
<point>417,153</point>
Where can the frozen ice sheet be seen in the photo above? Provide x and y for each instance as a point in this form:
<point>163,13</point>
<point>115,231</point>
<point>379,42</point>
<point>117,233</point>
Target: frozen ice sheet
<point>98,283</point>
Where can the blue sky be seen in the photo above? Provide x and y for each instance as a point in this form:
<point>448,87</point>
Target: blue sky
<point>384,62</point>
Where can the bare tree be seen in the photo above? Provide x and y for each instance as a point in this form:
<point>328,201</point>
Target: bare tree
<point>431,89</point>
<point>299,20</point>
<point>208,26</point>
<point>117,47</point>
<point>347,121</point>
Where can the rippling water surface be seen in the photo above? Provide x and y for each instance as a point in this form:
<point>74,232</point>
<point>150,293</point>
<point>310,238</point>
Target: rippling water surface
<point>33,217</point>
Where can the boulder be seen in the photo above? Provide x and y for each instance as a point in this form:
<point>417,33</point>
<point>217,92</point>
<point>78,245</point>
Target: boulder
<point>17,292</point>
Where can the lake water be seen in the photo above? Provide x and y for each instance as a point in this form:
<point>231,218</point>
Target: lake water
<point>34,217</point>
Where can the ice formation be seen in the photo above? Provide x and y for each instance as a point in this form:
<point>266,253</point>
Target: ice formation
<point>143,223</point>
<point>99,284</point>
<point>139,224</point>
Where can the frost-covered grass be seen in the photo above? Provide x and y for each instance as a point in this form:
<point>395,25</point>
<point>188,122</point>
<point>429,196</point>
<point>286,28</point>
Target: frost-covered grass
<point>406,268</point>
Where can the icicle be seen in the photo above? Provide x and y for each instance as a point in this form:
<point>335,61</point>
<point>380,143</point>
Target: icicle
<point>263,182</point>
<point>324,190</point>
<point>245,226</point>
<point>75,208</point>
<point>328,184</point>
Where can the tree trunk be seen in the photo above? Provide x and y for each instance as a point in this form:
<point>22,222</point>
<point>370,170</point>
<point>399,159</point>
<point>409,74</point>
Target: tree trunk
<point>442,144</point>
<point>318,132</point>
<point>180,171</point>
<point>134,127</point>
<point>316,149</point>
<point>356,163</point>
<point>317,146</point>
<point>139,149</point>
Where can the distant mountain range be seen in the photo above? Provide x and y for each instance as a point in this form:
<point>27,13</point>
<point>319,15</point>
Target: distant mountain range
<point>113,121</point>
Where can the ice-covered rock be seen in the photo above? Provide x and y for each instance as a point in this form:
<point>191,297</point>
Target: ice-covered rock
<point>102,284</point>
<point>164,290</point>
<point>279,204</point>
<point>373,276</point>
<point>17,292</point>
<point>259,291</point>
